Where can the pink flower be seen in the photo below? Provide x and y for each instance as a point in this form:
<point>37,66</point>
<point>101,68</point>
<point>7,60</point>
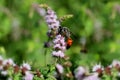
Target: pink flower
<point>28,76</point>
<point>80,72</point>
<point>59,68</point>
<point>94,76</point>
<point>58,54</point>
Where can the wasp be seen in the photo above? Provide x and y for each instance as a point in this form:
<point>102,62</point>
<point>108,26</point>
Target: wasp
<point>66,33</point>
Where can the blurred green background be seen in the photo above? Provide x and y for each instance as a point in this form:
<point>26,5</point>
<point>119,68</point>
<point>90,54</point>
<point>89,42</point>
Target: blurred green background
<point>95,30</point>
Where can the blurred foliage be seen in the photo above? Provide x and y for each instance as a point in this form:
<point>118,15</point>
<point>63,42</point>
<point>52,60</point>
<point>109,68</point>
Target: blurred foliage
<point>95,30</point>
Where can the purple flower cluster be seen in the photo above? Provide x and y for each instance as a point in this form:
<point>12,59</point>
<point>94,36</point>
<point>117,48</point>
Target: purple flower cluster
<point>58,40</point>
<point>59,46</point>
<point>81,73</point>
<point>51,20</point>
<point>7,65</point>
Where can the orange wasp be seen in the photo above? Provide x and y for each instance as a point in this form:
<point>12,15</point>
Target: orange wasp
<point>66,33</point>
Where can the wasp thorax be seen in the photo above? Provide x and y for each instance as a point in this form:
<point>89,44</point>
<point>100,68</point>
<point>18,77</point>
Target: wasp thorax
<point>64,31</point>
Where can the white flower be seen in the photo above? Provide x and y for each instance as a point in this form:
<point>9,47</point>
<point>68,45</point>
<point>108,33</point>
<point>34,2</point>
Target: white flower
<point>116,63</point>
<point>8,61</point>
<point>1,58</point>
<point>58,54</point>
<point>4,73</point>
<point>97,67</point>
<point>28,76</point>
<point>92,77</point>
<point>26,65</point>
<point>59,68</point>
<point>79,72</point>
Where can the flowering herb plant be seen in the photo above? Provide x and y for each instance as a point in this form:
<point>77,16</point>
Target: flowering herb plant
<point>59,40</point>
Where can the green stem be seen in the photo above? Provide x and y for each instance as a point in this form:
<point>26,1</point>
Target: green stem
<point>53,78</point>
<point>56,60</point>
<point>45,54</point>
